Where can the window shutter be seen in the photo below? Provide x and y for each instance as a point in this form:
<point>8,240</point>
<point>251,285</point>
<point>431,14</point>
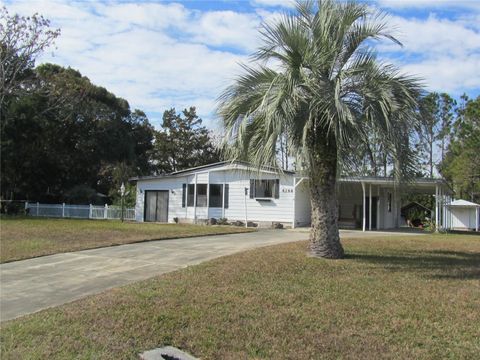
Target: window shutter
<point>252,188</point>
<point>226,196</point>
<point>277,188</point>
<point>184,194</point>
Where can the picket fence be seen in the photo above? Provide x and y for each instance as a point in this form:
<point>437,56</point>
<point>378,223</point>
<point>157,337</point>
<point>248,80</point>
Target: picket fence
<point>79,211</point>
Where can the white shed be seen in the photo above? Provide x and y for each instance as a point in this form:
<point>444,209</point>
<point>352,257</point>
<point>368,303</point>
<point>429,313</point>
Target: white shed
<point>464,215</point>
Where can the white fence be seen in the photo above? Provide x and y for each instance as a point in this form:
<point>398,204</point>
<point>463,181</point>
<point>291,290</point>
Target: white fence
<point>79,211</point>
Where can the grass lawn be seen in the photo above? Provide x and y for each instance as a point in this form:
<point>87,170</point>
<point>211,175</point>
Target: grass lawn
<point>23,238</point>
<point>391,298</point>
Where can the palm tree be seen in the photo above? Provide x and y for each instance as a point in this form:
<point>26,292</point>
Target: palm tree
<point>317,78</point>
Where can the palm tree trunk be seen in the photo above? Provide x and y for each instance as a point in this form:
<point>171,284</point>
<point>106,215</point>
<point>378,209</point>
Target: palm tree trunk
<point>324,236</point>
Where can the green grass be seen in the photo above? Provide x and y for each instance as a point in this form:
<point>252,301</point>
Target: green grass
<point>391,298</point>
<point>23,238</point>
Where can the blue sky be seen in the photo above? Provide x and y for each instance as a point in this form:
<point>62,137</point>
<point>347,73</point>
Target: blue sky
<point>162,54</point>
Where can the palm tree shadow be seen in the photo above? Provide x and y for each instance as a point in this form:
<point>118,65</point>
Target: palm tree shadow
<point>435,264</point>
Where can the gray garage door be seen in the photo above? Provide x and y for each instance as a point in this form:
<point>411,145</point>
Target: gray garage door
<point>156,206</point>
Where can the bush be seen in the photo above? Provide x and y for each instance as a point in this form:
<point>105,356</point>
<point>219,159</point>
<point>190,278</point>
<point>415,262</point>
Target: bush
<point>13,208</point>
<point>223,221</point>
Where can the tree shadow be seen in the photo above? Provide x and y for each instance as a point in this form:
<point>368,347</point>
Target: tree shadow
<point>436,264</point>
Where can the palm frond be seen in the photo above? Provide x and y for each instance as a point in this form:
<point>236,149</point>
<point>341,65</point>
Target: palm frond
<point>327,83</point>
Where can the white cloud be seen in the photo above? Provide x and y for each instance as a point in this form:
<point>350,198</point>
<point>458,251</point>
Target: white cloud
<point>227,28</point>
<point>444,52</point>
<point>272,3</point>
<point>434,35</point>
<point>159,55</point>
<point>423,4</point>
<point>448,74</point>
<point>154,55</point>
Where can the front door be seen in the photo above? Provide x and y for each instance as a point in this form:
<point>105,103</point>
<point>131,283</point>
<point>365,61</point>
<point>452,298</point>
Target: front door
<point>156,206</point>
<point>374,212</point>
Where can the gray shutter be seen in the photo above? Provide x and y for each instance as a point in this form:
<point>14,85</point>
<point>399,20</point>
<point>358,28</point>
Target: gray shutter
<point>226,196</point>
<point>277,188</point>
<point>184,194</point>
<point>252,188</point>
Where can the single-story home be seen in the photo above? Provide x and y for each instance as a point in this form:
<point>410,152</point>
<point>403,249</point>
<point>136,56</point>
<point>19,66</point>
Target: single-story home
<point>464,215</point>
<point>238,192</point>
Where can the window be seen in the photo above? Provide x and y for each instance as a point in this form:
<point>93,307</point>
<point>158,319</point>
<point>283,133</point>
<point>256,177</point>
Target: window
<point>264,188</point>
<point>216,191</point>
<point>389,202</point>
<point>201,195</point>
<point>190,194</point>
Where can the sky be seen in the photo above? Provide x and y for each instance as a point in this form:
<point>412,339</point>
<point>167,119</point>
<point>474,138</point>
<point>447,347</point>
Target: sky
<point>163,54</point>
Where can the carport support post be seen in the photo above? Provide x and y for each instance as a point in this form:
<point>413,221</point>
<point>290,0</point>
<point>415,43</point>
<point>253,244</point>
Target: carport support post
<point>378,207</point>
<point>195,200</point>
<point>436,208</point>
<point>38,208</point>
<point>105,211</point>
<point>444,209</point>
<point>364,207</point>
<point>293,217</point>
<point>370,207</point>
<point>208,196</point>
<point>90,211</point>
<point>63,210</point>
<point>245,203</point>
<point>476,215</point>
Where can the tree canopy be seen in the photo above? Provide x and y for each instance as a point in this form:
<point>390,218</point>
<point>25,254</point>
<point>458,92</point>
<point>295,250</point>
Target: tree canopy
<point>183,142</point>
<point>68,132</point>
<point>461,165</point>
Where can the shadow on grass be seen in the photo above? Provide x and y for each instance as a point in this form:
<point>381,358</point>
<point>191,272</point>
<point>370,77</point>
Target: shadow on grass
<point>436,264</point>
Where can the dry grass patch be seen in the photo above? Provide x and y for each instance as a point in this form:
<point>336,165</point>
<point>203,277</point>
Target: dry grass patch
<point>23,238</point>
<point>391,298</point>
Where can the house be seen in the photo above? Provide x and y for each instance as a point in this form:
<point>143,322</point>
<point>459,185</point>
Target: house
<point>237,191</point>
<point>464,215</point>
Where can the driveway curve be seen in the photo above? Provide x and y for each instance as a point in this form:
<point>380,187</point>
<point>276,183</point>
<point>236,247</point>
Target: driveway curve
<point>28,286</point>
<point>31,285</point>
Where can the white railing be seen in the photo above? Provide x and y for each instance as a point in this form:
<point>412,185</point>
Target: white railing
<point>79,211</point>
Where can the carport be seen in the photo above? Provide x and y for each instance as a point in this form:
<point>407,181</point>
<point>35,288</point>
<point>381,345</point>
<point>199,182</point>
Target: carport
<point>375,203</point>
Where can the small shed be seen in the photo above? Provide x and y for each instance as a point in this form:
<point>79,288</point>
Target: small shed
<point>464,215</point>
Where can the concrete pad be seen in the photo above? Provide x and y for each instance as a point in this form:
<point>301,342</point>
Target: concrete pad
<point>167,352</point>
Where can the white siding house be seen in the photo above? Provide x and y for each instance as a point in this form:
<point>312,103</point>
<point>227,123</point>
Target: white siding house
<point>236,191</point>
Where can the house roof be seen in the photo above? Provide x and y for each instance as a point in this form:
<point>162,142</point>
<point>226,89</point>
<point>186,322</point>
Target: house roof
<point>388,180</point>
<point>234,165</point>
<point>420,183</point>
<point>463,203</point>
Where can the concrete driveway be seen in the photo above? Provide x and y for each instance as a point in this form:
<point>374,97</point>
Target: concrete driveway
<point>31,285</point>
